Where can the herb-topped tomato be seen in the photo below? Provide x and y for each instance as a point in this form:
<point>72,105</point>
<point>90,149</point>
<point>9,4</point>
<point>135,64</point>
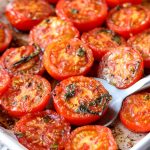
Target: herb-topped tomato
<point>4,80</point>
<point>44,130</point>
<point>5,36</point>
<point>63,59</point>
<point>121,67</point>
<point>128,20</point>
<point>102,40</point>
<point>135,112</point>
<point>23,60</point>
<point>91,137</point>
<point>51,29</point>
<point>26,94</point>
<point>84,14</point>
<point>81,100</point>
<point>141,42</point>
<point>24,14</point>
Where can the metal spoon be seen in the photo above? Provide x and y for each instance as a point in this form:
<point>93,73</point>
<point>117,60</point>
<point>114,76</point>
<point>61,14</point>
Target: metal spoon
<point>118,96</point>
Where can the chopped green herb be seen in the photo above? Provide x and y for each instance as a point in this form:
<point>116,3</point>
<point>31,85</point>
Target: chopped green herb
<point>19,134</point>
<point>70,91</point>
<point>147,97</point>
<point>105,31</point>
<point>54,146</point>
<point>118,7</point>
<point>46,119</point>
<point>81,52</point>
<point>74,11</point>
<point>117,39</point>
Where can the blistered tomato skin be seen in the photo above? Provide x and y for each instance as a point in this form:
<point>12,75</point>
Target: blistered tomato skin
<point>128,20</point>
<point>85,15</point>
<point>25,14</point>
<point>121,67</point>
<point>135,112</point>
<point>45,130</point>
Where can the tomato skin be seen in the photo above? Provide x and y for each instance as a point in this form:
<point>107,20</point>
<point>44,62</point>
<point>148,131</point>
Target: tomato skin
<point>135,112</point>
<point>127,31</point>
<point>141,43</point>
<point>47,130</point>
<point>101,41</point>
<point>121,67</point>
<point>96,20</point>
<point>67,62</point>
<point>34,12</point>
<point>52,1</point>
<point>5,33</point>
<point>71,107</point>
<point>92,135</point>
<point>18,102</point>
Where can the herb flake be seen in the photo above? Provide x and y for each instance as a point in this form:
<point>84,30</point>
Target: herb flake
<point>117,39</point>
<point>74,11</point>
<point>81,52</point>
<point>70,91</point>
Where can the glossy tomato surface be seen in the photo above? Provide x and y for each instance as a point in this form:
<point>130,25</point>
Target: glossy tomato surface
<point>52,29</point>
<point>121,67</point>
<point>81,100</point>
<point>44,130</point>
<point>24,14</point>
<point>63,59</point>
<point>128,20</point>
<point>26,94</point>
<point>101,41</point>
<point>135,112</point>
<point>5,36</point>
<point>91,137</point>
<point>23,60</point>
<point>141,42</point>
<point>84,14</point>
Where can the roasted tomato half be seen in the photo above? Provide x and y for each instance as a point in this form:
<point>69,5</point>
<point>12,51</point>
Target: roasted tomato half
<point>81,100</point>
<point>135,112</point>
<point>141,42</point>
<point>26,94</point>
<point>102,40</point>
<point>5,36</point>
<point>23,60</point>
<point>84,14</point>
<point>63,59</point>
<point>24,14</point>
<point>121,67</point>
<point>128,20</point>
<point>44,130</point>
<point>52,29</point>
<point>91,137</point>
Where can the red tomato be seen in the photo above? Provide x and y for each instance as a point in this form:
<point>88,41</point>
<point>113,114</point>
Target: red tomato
<point>5,36</point>
<point>121,67</point>
<point>128,20</point>
<point>135,112</point>
<point>51,29</point>
<point>81,100</point>
<point>113,3</point>
<point>44,130</point>
<point>24,14</point>
<point>23,60</point>
<point>84,14</point>
<point>4,80</point>
<point>141,42</point>
<point>102,40</point>
<point>26,94</point>
<point>63,59</point>
<point>91,137</point>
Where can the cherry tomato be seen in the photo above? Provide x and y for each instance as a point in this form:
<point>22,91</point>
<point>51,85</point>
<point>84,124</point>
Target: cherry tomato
<point>4,80</point>
<point>91,137</point>
<point>5,36</point>
<point>81,100</point>
<point>24,14</point>
<point>102,40</point>
<point>26,94</point>
<point>84,14</point>
<point>141,42</point>
<point>63,59</point>
<point>23,60</point>
<point>121,67</point>
<point>51,29</point>
<point>113,3</point>
<point>44,130</point>
<point>135,112</point>
<point>128,20</point>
